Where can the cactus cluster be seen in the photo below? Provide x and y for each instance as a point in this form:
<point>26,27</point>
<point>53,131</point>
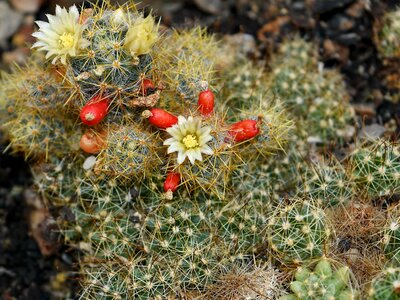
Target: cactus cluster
<point>183,171</point>
<point>317,97</point>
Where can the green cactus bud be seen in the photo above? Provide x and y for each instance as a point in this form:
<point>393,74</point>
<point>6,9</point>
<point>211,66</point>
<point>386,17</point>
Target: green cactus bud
<point>322,283</point>
<point>323,268</point>
<point>299,288</point>
<point>302,274</point>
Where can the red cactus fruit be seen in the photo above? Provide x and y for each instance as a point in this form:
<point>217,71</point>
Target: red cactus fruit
<point>147,87</point>
<point>92,142</point>
<point>160,118</point>
<point>206,102</point>
<point>94,111</point>
<point>243,130</point>
<point>172,181</point>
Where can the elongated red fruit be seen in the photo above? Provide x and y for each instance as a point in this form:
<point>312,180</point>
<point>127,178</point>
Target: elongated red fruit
<point>243,130</point>
<point>95,110</point>
<point>206,102</point>
<point>172,181</point>
<point>147,87</point>
<point>160,118</point>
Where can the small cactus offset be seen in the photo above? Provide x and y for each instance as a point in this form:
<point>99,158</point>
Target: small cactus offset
<point>321,282</point>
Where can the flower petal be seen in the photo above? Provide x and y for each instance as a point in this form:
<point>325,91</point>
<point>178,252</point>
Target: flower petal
<point>206,150</point>
<point>169,141</point>
<point>181,157</point>
<point>176,146</point>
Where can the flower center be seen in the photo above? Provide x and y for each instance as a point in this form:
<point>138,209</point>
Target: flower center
<point>66,40</point>
<point>190,141</point>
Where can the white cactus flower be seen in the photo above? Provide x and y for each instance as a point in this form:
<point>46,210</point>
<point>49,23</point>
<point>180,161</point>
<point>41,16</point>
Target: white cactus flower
<point>61,36</point>
<point>189,139</point>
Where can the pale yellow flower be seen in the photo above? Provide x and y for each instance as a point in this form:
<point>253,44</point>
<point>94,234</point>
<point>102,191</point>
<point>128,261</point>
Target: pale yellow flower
<point>61,36</point>
<point>141,36</point>
<point>189,139</point>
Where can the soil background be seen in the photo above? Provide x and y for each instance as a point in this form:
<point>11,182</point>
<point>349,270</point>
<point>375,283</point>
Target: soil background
<point>33,263</point>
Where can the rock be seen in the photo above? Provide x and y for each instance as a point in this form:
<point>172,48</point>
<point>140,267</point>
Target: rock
<point>347,133</point>
<point>18,56</point>
<point>356,10</point>
<point>348,38</point>
<point>272,31</point>
<point>301,15</point>
<point>372,132</point>
<point>10,21</point>
<point>89,162</point>
<point>340,22</point>
<point>243,43</point>
<point>346,23</point>
<point>333,50</point>
<point>367,110</point>
<point>214,7</point>
<point>26,6</point>
<point>24,34</point>
<point>323,6</point>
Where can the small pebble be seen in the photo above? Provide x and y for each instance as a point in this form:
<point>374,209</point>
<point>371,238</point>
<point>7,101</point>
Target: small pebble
<point>89,162</point>
<point>26,6</point>
<point>10,21</point>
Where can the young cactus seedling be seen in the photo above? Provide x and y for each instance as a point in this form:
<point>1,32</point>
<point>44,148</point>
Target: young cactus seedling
<point>321,283</point>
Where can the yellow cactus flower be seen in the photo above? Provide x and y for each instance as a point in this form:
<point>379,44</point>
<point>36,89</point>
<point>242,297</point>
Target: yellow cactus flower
<point>141,36</point>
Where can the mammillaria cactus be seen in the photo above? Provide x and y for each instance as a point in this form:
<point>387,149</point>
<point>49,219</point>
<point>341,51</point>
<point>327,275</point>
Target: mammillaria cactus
<point>328,183</point>
<point>386,285</point>
<point>114,109</point>
<point>298,231</point>
<point>375,167</point>
<point>391,236</point>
